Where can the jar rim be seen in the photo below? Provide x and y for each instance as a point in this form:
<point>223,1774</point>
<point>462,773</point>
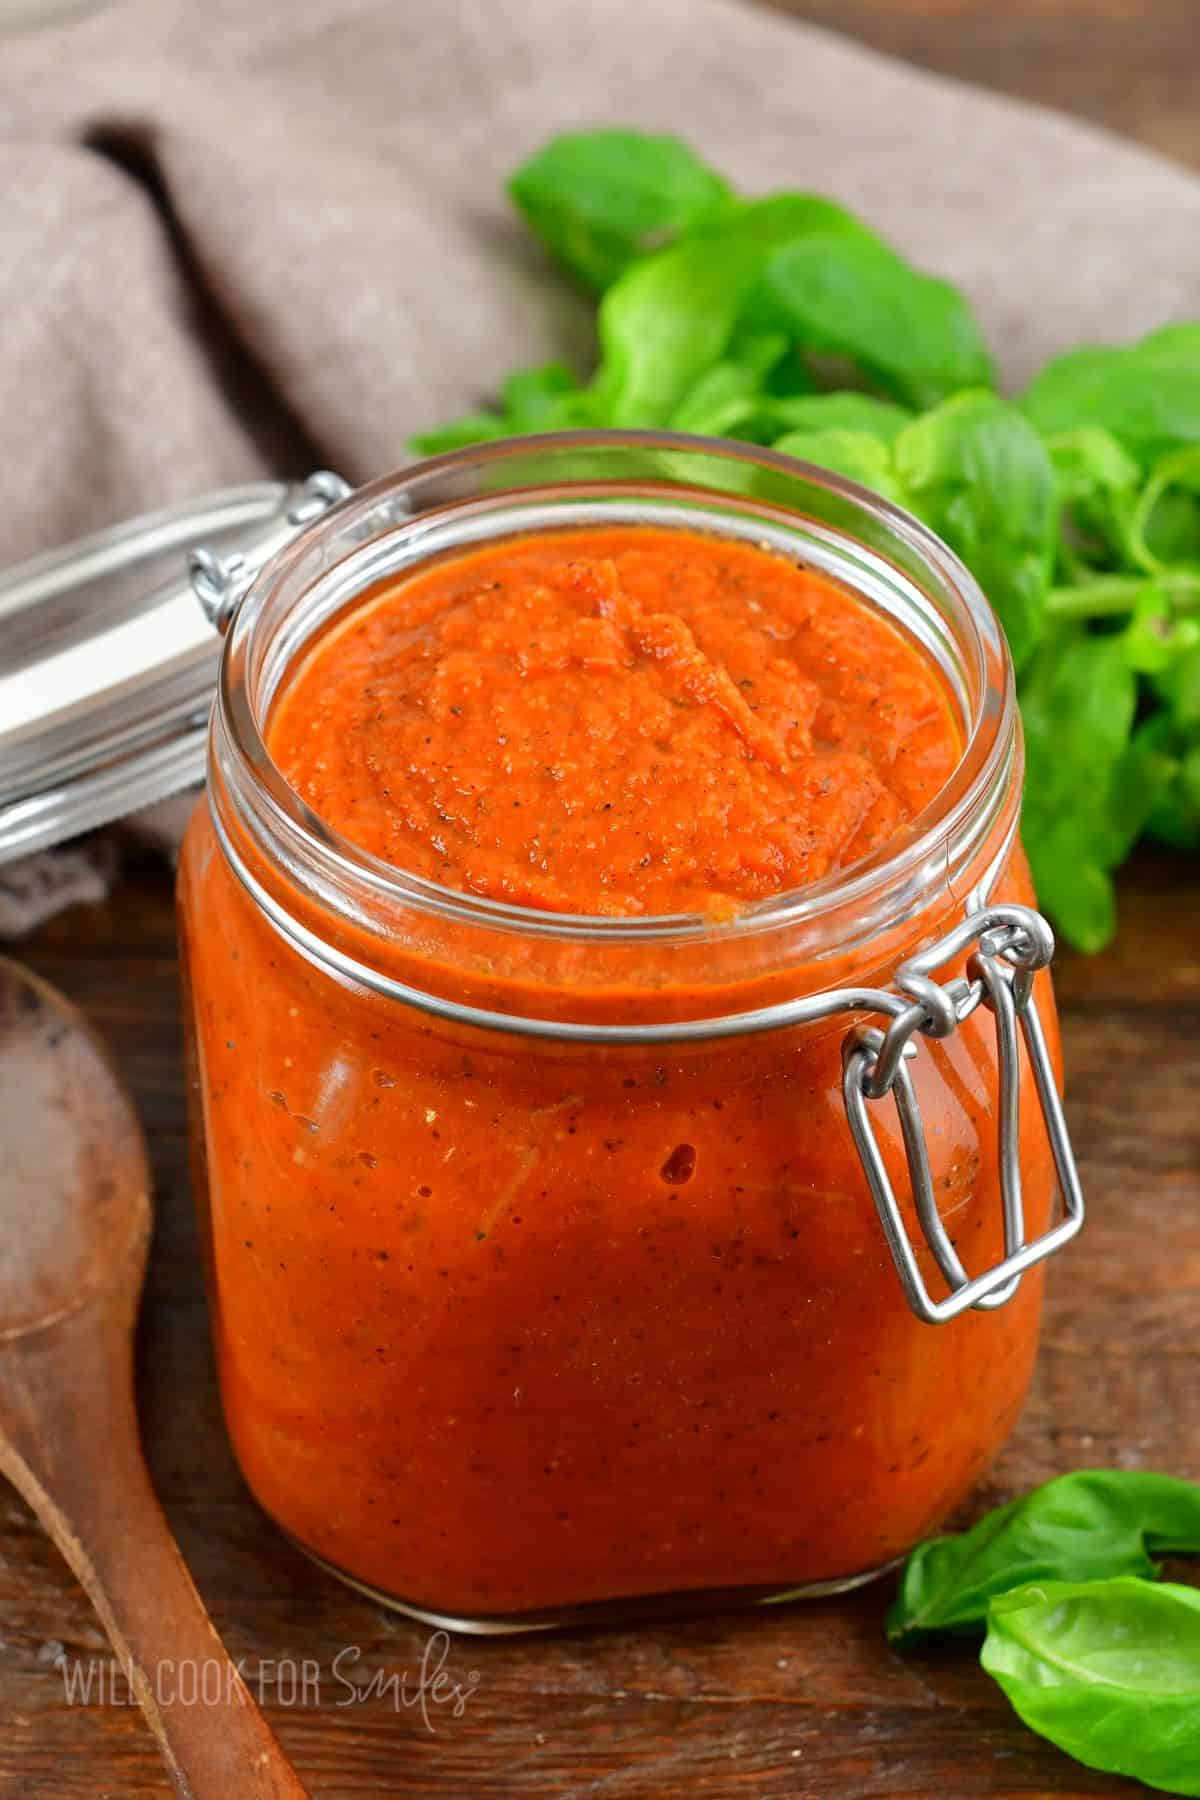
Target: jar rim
<point>988,727</point>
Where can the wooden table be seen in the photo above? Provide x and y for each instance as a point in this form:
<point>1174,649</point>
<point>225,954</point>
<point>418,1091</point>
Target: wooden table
<point>795,1702</point>
<point>800,1701</point>
<point>1133,65</point>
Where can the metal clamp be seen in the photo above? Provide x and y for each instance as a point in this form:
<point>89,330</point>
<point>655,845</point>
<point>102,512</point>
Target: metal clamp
<point>1011,944</point>
<point>220,582</point>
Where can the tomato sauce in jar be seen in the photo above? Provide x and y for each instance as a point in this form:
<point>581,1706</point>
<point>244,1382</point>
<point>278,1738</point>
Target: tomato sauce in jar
<point>617,722</point>
<point>509,1325</point>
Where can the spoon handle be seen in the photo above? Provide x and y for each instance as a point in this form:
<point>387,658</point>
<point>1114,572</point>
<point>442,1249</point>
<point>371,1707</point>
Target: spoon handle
<point>69,1443</point>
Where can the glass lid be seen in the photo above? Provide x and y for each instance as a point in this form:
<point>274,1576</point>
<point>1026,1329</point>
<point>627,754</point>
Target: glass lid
<point>108,665</point>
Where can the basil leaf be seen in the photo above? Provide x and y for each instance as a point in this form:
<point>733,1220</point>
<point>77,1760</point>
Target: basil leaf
<point>601,199</point>
<point>1079,1527</point>
<point>1147,395</point>
<point>841,412</point>
<point>792,379</point>
<point>1174,817</point>
<point>854,454</point>
<point>1181,339</point>
<point>730,396</point>
<point>546,398</point>
<point>848,294</point>
<point>980,475</point>
<point>471,428</point>
<point>1107,1670</point>
<point>1154,639</point>
<point>672,315</point>
<point>723,400</point>
<point>535,399</point>
<point>1097,482</point>
<point>1178,684</point>
<point>1089,463</point>
<point>1145,780</point>
<point>1165,527</point>
<point>1078,703</point>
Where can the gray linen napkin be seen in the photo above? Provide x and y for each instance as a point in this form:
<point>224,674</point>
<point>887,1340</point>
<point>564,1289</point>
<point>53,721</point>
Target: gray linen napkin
<point>238,238</point>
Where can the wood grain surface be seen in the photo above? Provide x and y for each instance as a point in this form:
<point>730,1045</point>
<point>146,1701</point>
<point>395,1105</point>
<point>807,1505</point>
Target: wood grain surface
<point>797,1701</point>
<point>1133,65</point>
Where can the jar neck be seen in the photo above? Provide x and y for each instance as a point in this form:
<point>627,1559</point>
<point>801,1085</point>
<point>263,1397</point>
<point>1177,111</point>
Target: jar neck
<point>409,938</point>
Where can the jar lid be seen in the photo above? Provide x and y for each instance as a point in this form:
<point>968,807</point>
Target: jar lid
<point>108,658</point>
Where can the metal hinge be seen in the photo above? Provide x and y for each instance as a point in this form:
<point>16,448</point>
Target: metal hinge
<point>1011,944</point>
<point>220,582</point>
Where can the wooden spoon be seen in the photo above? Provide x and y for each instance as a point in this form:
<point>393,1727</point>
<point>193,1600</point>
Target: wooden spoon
<point>75,1229</point>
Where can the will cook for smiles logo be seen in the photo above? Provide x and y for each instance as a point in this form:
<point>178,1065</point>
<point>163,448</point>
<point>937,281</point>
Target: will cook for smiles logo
<point>431,1688</point>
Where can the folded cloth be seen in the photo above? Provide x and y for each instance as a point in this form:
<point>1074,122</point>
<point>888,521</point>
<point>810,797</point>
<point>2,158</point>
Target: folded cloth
<point>240,239</point>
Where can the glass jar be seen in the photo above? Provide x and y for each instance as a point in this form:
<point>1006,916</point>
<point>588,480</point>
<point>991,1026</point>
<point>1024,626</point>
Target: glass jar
<point>568,1266</point>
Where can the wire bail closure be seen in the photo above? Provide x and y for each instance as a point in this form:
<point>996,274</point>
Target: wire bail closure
<point>221,582</point>
<point>1012,944</point>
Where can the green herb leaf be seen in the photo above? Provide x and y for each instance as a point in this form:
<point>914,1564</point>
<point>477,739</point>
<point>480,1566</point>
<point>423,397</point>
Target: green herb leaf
<point>1090,463</point>
<point>672,316</point>
<point>1174,817</point>
<point>601,199</point>
<point>854,454</point>
<point>546,398</point>
<point>1180,340</point>
<point>1178,684</point>
<point>457,434</point>
<point>1165,526</point>
<point>1097,482</point>
<point>1107,1670</point>
<point>730,396</point>
<point>723,401</point>
<point>846,293</point>
<point>1142,783</point>
<point>533,399</point>
<point>1152,640</point>
<point>1079,1527</point>
<point>981,476</point>
<point>1147,395</point>
<point>841,412</point>
<point>1173,735</point>
<point>1078,703</point>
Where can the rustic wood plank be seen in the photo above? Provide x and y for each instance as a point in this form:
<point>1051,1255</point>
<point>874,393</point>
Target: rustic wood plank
<point>1132,65</point>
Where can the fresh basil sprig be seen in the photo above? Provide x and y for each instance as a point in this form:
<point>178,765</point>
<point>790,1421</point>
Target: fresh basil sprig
<point>787,321</point>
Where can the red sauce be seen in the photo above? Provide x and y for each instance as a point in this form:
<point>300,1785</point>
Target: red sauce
<point>506,1325</point>
<point>617,721</point>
